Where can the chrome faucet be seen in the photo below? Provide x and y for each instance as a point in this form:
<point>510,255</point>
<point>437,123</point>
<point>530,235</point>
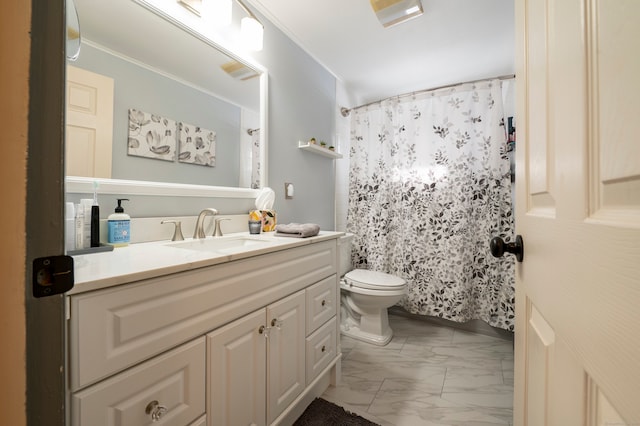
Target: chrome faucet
<point>177,231</point>
<point>217,232</point>
<point>199,231</point>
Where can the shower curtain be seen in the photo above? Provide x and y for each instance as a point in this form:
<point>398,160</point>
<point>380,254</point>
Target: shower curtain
<point>255,159</point>
<point>429,186</point>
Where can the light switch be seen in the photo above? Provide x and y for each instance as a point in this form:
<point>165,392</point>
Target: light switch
<point>288,190</point>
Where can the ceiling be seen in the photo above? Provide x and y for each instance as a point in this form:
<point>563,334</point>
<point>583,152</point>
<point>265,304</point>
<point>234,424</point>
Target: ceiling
<point>131,31</point>
<point>453,41</point>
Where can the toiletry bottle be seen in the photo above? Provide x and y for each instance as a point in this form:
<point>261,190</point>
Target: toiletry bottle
<point>79,227</point>
<point>70,227</point>
<point>119,226</point>
<point>95,218</point>
<point>85,204</point>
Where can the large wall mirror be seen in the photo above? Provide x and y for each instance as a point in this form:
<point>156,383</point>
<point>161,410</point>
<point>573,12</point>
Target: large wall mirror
<point>172,85</point>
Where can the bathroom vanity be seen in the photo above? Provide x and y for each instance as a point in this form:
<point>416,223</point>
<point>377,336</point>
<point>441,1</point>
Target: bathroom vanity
<point>223,331</point>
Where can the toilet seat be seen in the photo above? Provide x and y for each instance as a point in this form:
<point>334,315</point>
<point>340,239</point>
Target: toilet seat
<point>373,280</point>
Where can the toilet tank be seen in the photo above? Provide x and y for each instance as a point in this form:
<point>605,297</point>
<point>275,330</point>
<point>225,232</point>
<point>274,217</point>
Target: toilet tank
<point>344,250</point>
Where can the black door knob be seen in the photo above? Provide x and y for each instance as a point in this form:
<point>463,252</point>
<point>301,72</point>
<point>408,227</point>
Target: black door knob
<point>498,247</point>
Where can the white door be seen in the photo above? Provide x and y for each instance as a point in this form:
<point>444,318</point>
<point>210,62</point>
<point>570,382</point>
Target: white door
<point>89,123</point>
<point>286,357</point>
<point>578,211</point>
<point>236,362</point>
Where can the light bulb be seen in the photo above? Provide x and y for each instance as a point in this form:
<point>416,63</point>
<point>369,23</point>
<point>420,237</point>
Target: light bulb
<point>251,32</point>
<point>216,13</point>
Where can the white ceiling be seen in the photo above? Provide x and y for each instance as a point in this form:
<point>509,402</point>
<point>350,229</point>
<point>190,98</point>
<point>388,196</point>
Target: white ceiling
<point>127,29</point>
<point>453,41</point>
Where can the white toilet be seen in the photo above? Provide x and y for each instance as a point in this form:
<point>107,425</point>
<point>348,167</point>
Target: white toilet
<point>365,296</point>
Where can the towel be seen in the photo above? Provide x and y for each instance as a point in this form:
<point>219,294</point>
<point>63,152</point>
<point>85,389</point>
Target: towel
<point>298,230</point>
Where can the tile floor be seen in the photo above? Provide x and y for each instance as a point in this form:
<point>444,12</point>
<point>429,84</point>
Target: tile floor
<point>430,375</point>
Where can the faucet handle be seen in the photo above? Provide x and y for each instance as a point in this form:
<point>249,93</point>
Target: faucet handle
<point>218,231</point>
<point>177,232</point>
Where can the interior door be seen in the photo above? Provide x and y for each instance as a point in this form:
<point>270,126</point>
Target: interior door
<point>578,211</point>
<point>89,123</point>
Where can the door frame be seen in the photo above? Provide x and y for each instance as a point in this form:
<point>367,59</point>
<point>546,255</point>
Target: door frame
<point>45,349</point>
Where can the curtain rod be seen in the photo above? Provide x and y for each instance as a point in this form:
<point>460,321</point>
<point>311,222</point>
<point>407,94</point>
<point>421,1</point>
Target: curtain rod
<point>345,111</point>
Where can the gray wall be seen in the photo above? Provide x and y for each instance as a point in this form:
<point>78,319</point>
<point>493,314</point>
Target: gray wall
<point>302,101</point>
<point>139,88</point>
<point>302,105</point>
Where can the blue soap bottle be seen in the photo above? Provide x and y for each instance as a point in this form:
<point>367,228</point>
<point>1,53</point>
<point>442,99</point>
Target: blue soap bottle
<point>119,226</point>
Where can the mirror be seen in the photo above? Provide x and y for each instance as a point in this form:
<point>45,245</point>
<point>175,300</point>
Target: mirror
<point>164,64</point>
<point>73,31</point>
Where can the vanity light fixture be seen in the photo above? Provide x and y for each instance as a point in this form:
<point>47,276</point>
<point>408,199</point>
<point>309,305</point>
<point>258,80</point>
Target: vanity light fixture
<point>251,30</point>
<point>392,12</point>
<point>218,12</point>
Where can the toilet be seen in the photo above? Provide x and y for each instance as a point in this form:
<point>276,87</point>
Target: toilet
<point>365,296</point>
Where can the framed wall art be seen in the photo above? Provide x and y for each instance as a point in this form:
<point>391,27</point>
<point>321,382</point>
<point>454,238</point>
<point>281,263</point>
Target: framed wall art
<point>151,136</point>
<point>197,145</point>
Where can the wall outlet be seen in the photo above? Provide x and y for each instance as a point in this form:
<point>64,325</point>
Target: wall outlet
<point>288,190</point>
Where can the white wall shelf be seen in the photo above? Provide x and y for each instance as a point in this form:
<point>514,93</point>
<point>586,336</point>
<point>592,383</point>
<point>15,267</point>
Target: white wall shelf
<point>317,149</point>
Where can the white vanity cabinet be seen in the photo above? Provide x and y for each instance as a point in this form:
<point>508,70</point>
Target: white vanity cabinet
<point>249,341</point>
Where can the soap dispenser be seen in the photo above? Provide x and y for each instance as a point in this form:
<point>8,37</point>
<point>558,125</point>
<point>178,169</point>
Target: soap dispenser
<point>119,226</point>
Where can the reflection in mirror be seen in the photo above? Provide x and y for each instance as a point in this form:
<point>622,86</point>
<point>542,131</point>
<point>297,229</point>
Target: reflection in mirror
<point>73,31</point>
<point>181,84</point>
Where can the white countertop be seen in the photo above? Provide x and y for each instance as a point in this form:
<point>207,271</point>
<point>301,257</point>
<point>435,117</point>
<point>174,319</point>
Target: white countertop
<point>147,260</point>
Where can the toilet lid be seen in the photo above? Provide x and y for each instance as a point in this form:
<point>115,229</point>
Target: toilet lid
<point>374,280</point>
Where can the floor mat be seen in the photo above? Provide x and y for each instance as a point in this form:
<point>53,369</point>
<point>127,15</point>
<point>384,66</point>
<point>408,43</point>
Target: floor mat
<point>324,413</point>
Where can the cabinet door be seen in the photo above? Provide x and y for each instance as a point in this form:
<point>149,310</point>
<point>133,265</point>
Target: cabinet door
<point>236,361</point>
<point>286,355</point>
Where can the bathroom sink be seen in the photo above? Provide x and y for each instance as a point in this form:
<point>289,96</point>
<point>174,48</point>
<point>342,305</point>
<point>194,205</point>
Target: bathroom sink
<point>222,245</point>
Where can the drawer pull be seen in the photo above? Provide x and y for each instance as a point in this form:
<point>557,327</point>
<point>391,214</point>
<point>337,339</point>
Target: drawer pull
<point>155,410</point>
<point>323,348</point>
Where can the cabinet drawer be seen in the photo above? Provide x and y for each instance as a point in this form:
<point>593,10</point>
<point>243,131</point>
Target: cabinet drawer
<point>176,380</point>
<point>321,303</point>
<point>321,349</point>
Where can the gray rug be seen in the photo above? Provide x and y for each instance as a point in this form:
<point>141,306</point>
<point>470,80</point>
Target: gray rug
<point>324,413</point>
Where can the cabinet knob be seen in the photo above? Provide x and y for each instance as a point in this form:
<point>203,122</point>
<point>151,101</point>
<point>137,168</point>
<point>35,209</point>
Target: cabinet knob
<point>323,348</point>
<point>261,329</point>
<point>276,323</point>
<point>155,410</point>
<point>324,302</point>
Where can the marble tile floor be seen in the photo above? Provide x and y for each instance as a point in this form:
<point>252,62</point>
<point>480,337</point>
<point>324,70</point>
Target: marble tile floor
<point>429,374</point>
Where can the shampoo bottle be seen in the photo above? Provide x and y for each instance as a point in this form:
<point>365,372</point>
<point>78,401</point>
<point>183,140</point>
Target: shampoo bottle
<point>119,227</point>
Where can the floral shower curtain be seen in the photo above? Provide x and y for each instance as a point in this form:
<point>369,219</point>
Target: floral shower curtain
<point>429,186</point>
<point>255,159</point>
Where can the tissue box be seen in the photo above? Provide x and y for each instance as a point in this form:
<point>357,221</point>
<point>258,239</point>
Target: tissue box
<point>268,218</point>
